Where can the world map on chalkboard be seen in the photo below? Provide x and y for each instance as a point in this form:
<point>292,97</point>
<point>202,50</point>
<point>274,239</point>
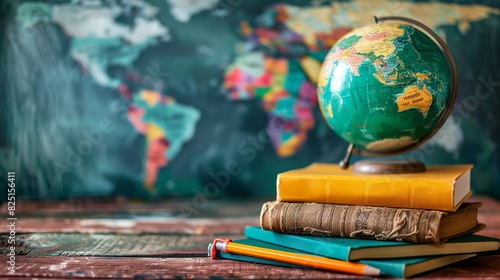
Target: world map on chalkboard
<point>183,98</point>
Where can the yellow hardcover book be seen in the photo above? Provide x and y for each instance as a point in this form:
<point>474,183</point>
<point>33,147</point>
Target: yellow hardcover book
<point>441,187</point>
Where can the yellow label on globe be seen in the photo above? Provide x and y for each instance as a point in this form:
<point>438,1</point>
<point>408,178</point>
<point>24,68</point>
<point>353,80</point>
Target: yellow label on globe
<point>414,97</point>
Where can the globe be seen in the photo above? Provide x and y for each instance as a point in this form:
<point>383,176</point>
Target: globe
<point>385,87</point>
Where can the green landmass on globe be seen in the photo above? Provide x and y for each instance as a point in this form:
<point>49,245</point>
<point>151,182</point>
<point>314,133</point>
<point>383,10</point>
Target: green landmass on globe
<point>384,86</point>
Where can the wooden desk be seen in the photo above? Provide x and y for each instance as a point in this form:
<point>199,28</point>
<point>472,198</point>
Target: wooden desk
<point>119,239</point>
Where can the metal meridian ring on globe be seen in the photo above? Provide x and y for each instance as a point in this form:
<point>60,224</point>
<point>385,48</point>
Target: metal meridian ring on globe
<point>454,78</point>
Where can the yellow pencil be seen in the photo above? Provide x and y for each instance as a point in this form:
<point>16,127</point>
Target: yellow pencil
<point>226,245</point>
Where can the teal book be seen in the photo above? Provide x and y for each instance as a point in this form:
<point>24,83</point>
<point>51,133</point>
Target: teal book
<point>399,268</point>
<point>408,267</point>
<point>349,249</point>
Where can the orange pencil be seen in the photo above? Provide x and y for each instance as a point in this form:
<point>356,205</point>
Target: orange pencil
<point>226,245</point>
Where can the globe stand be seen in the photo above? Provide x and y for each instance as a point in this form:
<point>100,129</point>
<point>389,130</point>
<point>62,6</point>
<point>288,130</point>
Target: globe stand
<point>381,166</point>
<point>388,166</point>
<point>402,166</point>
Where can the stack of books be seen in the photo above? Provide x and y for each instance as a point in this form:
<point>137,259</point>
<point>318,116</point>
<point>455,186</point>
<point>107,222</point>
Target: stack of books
<point>397,225</point>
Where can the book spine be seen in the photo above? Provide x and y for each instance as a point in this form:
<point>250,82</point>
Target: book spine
<point>381,223</point>
<point>401,192</point>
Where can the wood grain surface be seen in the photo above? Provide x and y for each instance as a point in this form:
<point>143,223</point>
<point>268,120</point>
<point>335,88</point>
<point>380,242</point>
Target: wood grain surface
<point>117,239</point>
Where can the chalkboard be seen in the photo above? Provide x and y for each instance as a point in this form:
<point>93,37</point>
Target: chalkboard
<point>157,99</point>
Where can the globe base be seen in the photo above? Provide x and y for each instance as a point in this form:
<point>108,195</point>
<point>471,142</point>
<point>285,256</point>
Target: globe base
<point>388,166</point>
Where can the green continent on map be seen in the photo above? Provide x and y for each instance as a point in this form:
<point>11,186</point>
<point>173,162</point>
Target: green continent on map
<point>384,86</point>
<point>166,125</point>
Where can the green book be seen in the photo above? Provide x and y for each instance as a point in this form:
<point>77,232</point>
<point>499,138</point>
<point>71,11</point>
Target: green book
<point>400,268</point>
<point>349,249</point>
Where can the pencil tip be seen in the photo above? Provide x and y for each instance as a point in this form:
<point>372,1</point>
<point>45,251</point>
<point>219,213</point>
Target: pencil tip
<point>371,271</point>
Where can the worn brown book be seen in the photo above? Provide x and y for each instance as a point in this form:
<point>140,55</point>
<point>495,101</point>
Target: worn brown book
<point>381,223</point>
